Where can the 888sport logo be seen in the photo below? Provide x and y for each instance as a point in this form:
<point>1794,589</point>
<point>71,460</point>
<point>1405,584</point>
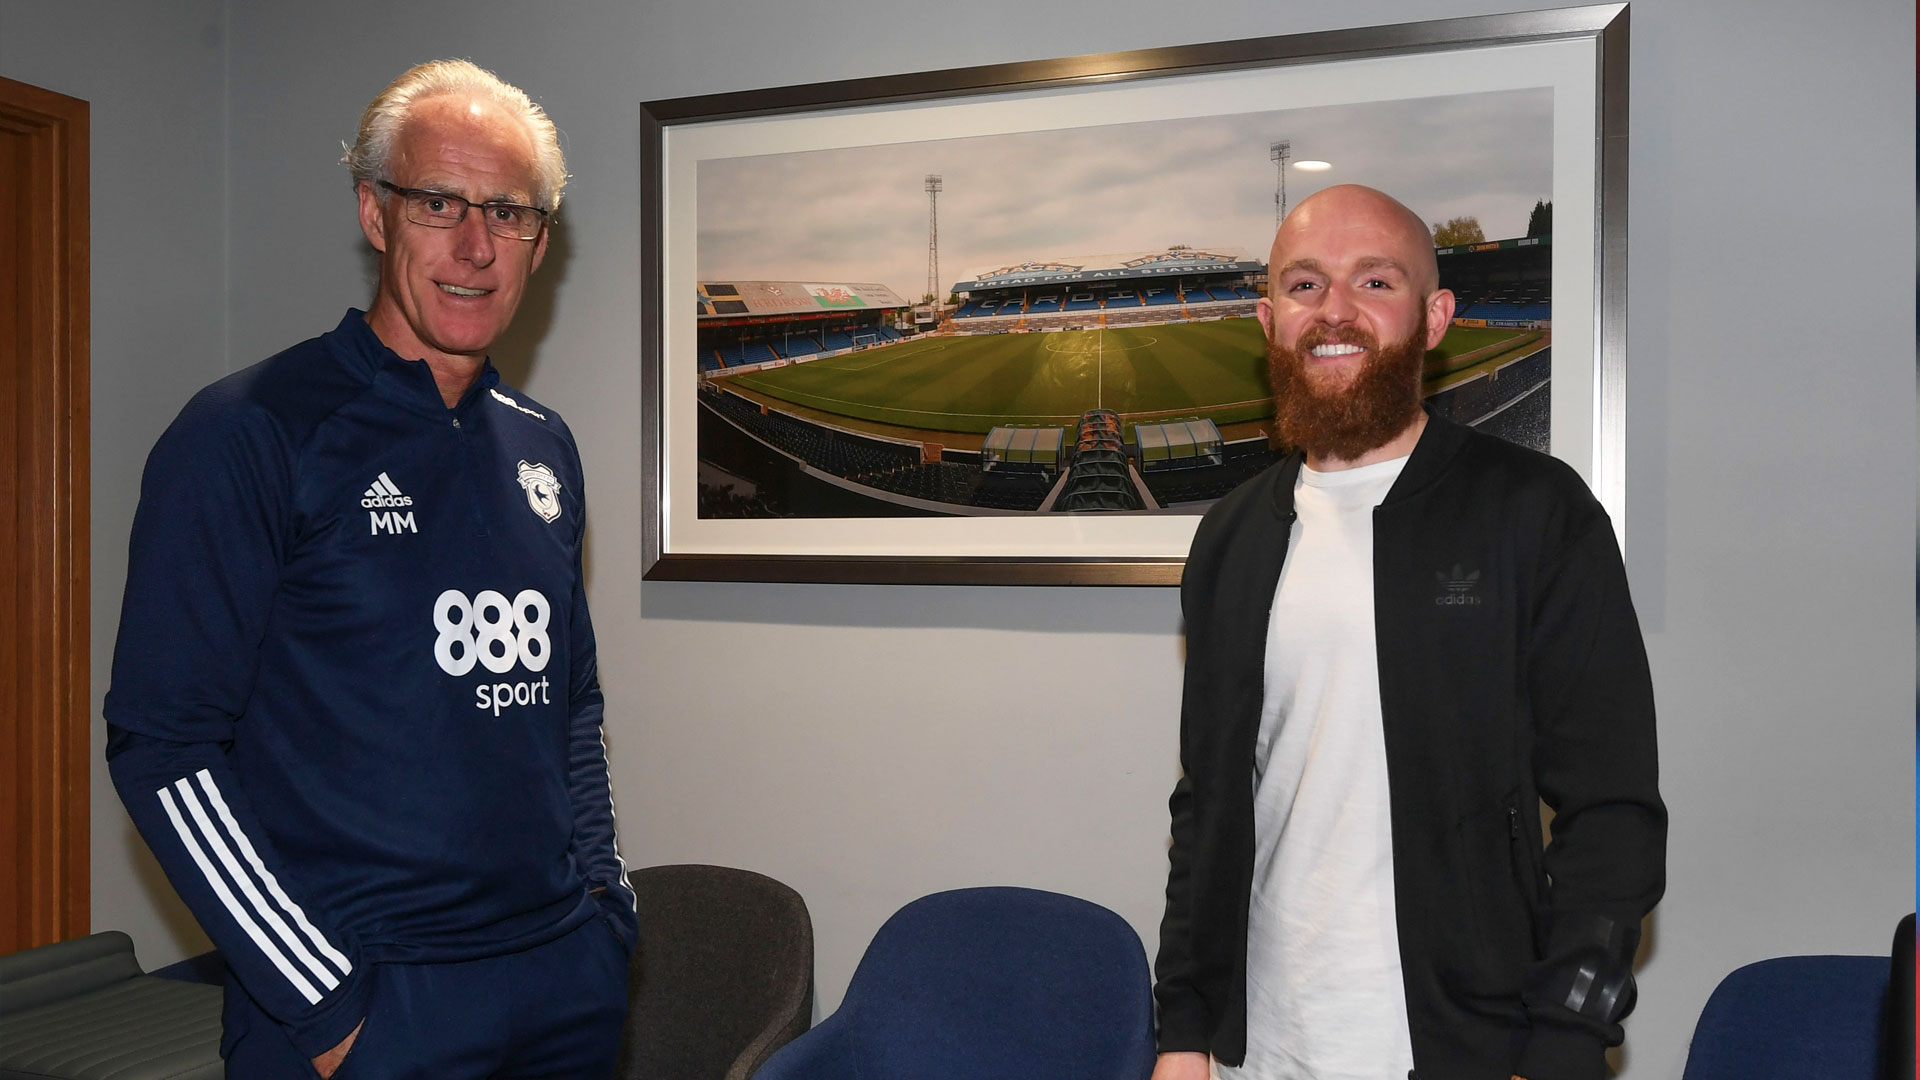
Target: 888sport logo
<point>498,634</point>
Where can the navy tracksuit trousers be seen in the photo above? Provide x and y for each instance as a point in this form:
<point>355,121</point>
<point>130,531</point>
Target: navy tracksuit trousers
<point>552,1011</point>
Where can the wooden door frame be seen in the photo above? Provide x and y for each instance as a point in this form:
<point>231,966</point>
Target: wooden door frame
<point>51,760</point>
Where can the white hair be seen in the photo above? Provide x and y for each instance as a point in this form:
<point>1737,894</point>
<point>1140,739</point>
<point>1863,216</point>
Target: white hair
<point>380,125</point>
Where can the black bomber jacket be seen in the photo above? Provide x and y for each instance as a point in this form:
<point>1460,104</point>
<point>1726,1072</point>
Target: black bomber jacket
<point>1511,672</point>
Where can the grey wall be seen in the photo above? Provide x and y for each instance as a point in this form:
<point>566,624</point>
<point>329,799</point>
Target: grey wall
<point>885,742</point>
<point>155,78</point>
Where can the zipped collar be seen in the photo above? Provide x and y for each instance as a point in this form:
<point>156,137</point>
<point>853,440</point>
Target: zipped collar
<point>408,383</point>
<point>1439,443</point>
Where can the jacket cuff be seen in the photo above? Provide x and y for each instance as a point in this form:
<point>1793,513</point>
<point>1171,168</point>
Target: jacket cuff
<point>1562,1053</point>
<point>316,1034</point>
<point>1183,1026</point>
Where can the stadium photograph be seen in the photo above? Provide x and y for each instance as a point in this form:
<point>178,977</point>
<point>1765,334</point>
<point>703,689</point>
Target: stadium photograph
<point>1066,321</point>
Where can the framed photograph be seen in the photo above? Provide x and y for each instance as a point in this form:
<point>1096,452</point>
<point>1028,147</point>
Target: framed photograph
<point>998,325</point>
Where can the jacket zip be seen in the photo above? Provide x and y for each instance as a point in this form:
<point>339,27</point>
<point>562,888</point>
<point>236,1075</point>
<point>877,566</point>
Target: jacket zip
<point>469,475</point>
<point>1523,876</point>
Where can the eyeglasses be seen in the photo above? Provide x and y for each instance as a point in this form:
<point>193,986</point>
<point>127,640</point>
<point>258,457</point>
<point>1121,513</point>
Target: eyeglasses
<point>439,210</point>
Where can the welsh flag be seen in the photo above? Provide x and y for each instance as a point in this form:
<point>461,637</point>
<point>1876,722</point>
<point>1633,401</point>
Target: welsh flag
<point>835,296</point>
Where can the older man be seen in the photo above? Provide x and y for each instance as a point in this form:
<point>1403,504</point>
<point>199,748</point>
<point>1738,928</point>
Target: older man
<point>354,708</point>
<point>1400,641</point>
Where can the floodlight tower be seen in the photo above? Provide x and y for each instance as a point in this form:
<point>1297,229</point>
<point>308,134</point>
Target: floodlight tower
<point>933,238</point>
<point>1280,152</point>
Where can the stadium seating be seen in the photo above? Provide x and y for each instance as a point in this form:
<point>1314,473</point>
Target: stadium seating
<point>1080,303</point>
<point>1244,460</point>
<point>1044,304</point>
<point>885,466</point>
<point>1123,300</point>
<point>1162,296</point>
<point>837,452</point>
<point>939,481</point>
<point>741,352</point>
<point>1010,491</point>
<point>1505,311</point>
<point>968,310</point>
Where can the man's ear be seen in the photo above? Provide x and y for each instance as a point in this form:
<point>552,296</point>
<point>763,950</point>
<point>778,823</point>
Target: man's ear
<point>373,218</point>
<point>1265,307</point>
<point>539,247</point>
<point>1439,316</point>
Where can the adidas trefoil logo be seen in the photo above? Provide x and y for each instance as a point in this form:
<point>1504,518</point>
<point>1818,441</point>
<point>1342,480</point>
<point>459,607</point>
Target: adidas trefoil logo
<point>1458,588</point>
<point>384,493</point>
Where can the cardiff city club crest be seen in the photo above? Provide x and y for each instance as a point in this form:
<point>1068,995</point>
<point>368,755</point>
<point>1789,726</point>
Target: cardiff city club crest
<point>543,490</point>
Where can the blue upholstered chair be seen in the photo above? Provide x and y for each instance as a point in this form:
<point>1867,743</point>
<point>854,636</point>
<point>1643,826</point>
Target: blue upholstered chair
<point>1794,1017</point>
<point>993,982</point>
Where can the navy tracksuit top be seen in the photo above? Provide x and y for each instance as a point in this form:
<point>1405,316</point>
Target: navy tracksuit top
<point>354,708</point>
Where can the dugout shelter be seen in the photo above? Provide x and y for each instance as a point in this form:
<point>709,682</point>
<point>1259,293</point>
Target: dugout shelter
<point>1023,449</point>
<point>1184,444</point>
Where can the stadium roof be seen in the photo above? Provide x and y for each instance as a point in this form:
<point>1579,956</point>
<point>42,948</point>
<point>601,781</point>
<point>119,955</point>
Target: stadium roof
<point>719,299</point>
<point>1086,269</point>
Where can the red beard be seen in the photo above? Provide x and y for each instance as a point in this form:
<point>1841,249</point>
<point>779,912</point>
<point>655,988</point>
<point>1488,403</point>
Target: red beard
<point>1366,413</point>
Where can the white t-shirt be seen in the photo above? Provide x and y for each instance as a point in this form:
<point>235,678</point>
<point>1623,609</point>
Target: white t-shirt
<point>1324,996</point>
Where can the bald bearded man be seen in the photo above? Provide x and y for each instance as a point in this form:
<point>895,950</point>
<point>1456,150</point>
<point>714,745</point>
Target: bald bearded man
<point>1401,640</point>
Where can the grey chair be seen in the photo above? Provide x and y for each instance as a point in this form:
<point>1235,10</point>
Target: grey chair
<point>83,1010</point>
<point>723,976</point>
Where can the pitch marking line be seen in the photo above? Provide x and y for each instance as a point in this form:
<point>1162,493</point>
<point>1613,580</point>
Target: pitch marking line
<point>874,362</point>
<point>914,412</point>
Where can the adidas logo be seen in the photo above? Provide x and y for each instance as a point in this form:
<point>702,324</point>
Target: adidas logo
<point>1459,588</point>
<point>384,492</point>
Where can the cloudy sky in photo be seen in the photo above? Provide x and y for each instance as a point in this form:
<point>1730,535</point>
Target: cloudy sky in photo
<point>860,214</point>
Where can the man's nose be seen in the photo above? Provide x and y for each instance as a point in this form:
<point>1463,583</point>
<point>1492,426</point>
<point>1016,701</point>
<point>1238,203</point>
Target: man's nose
<point>1338,308</point>
<point>473,243</point>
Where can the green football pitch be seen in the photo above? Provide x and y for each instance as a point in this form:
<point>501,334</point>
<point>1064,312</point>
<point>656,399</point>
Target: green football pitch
<point>1215,370</point>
